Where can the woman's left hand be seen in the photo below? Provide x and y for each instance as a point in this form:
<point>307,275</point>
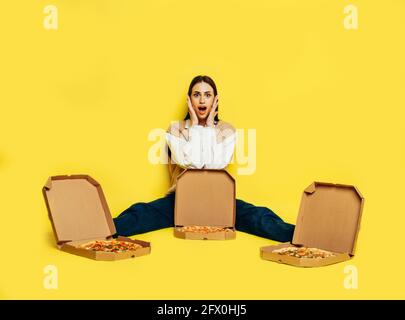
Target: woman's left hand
<point>213,113</point>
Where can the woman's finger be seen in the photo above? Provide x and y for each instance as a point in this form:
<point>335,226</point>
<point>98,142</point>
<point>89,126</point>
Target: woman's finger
<point>214,108</point>
<point>190,106</point>
<point>191,111</point>
<point>212,111</point>
<point>214,105</point>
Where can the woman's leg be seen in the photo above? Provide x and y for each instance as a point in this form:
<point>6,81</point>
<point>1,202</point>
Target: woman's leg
<point>144,217</point>
<point>262,222</point>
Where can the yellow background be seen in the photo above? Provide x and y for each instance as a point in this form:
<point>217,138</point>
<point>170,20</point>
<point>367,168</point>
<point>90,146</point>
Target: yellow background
<point>327,104</point>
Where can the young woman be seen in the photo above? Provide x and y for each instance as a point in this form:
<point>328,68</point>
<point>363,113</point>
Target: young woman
<point>201,140</point>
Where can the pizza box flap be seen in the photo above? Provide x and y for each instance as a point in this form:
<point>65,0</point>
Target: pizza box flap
<point>329,217</point>
<point>77,208</point>
<point>205,198</point>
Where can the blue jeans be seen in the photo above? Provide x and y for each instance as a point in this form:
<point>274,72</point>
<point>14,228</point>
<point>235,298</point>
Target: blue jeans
<point>144,217</point>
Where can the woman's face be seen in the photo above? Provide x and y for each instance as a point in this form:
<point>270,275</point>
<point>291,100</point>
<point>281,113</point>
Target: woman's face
<point>202,99</point>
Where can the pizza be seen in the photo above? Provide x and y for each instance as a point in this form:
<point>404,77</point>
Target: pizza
<point>304,252</point>
<point>111,246</point>
<point>203,229</point>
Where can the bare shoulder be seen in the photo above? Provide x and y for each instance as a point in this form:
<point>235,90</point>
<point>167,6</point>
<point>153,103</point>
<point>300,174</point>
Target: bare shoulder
<point>225,130</point>
<point>226,127</point>
<point>176,127</point>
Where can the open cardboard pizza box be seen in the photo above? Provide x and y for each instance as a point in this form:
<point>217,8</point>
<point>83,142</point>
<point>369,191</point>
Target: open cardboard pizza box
<point>79,214</point>
<point>328,219</point>
<point>205,198</point>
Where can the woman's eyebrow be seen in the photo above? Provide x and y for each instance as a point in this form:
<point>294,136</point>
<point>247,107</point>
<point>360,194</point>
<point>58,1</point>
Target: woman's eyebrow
<point>200,92</point>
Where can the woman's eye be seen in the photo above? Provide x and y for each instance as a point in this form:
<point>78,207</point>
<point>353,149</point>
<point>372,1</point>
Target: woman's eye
<point>208,95</point>
<point>195,94</point>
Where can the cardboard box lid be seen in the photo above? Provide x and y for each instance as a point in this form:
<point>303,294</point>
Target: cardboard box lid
<point>329,217</point>
<point>77,208</point>
<point>205,198</point>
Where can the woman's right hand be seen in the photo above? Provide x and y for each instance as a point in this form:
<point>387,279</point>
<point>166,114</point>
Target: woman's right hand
<point>193,115</point>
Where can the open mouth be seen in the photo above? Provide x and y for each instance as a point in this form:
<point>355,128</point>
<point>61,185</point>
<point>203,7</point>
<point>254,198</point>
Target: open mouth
<point>202,109</point>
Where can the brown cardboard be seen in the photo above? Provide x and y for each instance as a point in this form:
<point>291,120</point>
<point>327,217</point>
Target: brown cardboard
<point>205,198</point>
<point>79,213</point>
<point>223,235</point>
<point>73,247</point>
<point>266,253</point>
<point>329,219</point>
